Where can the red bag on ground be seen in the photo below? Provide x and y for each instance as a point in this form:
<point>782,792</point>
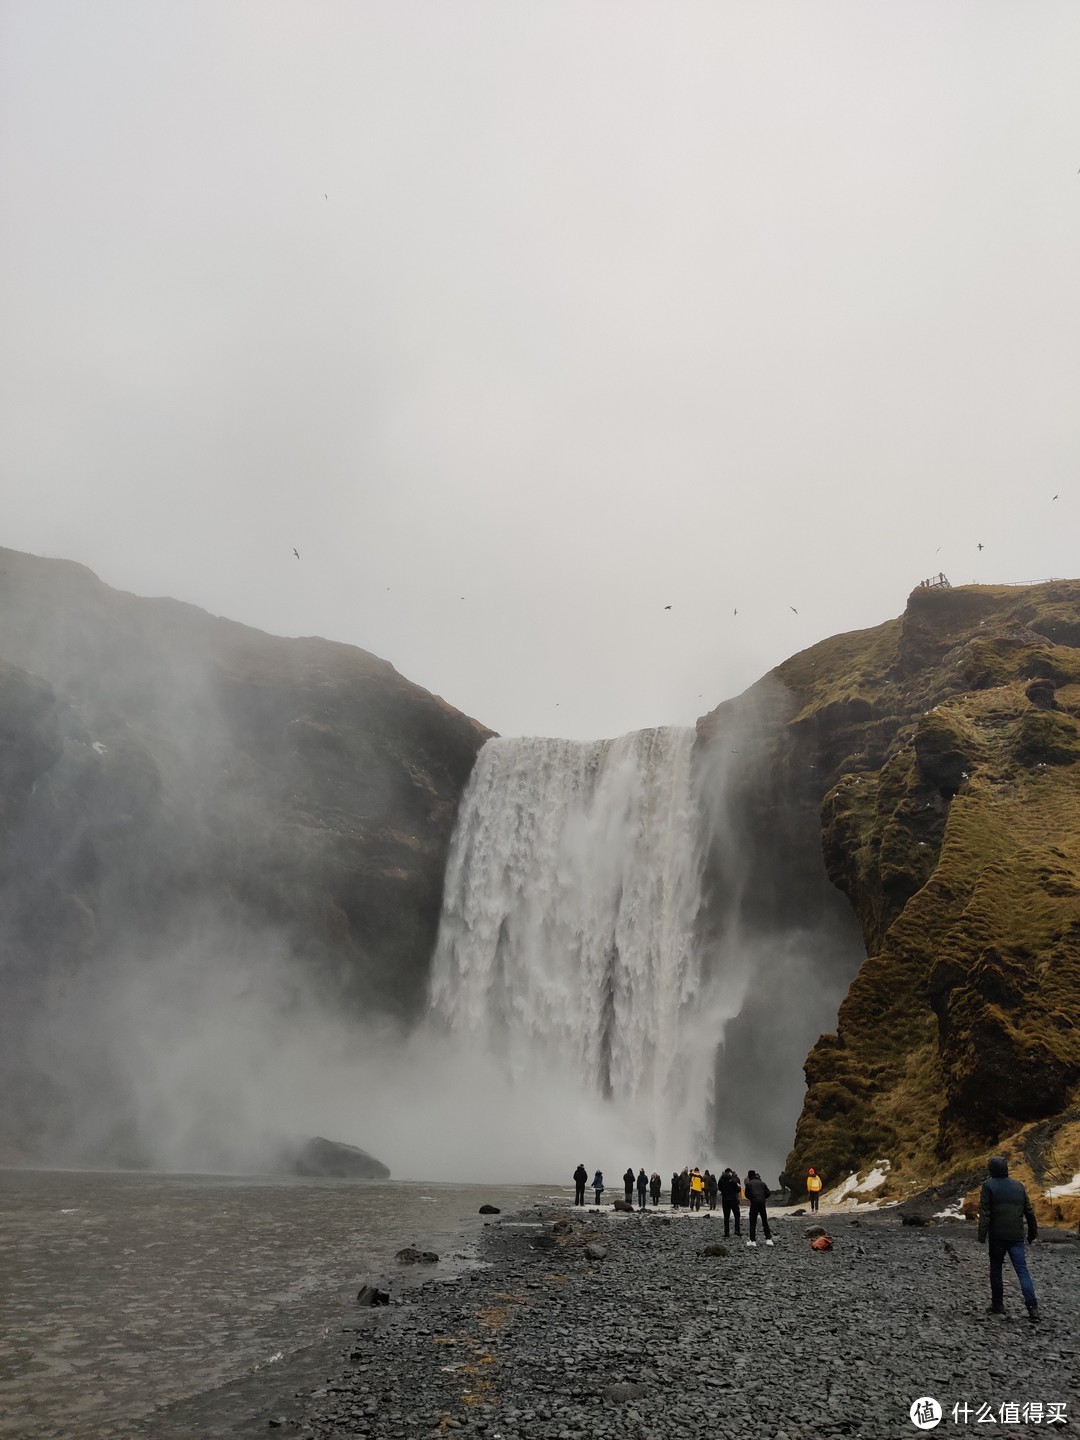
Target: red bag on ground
<point>821,1243</point>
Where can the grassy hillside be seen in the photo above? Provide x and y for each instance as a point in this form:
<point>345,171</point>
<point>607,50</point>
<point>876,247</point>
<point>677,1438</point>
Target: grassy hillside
<point>948,741</point>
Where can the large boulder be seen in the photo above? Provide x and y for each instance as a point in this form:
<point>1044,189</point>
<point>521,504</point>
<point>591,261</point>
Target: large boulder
<point>335,1160</point>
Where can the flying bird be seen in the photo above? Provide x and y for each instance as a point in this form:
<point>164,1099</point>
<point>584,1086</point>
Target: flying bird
<point>1055,497</point>
<point>736,612</point>
<point>979,546</point>
<point>792,609</point>
<point>296,552</point>
<point>667,607</point>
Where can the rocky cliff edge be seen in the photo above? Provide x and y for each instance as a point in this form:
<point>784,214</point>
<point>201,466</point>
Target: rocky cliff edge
<point>945,747</point>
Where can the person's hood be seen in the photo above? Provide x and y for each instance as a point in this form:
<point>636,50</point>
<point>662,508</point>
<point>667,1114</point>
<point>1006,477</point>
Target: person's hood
<point>998,1167</point>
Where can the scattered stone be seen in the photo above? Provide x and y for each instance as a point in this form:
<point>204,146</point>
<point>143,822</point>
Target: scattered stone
<point>544,1242</point>
<point>917,1220</point>
<point>624,1207</point>
<point>562,1227</point>
<point>557,1347</point>
<point>412,1256</point>
<point>623,1392</point>
<point>715,1250</point>
<point>798,1212</point>
<point>814,1231</point>
<point>372,1295</point>
<point>490,1210</point>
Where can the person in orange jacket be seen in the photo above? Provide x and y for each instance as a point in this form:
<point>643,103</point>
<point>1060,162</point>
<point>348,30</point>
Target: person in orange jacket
<point>813,1188</point>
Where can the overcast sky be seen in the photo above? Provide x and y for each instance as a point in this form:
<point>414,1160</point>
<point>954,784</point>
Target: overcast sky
<point>524,321</point>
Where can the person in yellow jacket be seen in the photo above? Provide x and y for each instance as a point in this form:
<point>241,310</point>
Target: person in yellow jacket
<point>813,1188</point>
<point>697,1189</point>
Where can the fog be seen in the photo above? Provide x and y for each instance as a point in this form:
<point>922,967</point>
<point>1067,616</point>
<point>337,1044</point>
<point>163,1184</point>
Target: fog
<point>523,323</point>
<point>220,1055</point>
<point>583,362</point>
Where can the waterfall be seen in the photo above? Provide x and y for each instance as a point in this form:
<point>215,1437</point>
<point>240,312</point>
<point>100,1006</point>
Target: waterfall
<point>566,946</point>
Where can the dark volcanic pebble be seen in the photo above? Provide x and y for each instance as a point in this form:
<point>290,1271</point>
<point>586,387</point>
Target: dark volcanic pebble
<point>652,1343</point>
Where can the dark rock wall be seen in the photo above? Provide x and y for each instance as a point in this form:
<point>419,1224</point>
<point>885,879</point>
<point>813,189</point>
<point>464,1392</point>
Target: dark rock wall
<point>946,745</point>
<point>161,767</point>
<point>772,922</point>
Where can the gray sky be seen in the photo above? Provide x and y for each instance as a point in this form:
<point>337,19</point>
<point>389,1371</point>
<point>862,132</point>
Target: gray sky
<point>607,307</point>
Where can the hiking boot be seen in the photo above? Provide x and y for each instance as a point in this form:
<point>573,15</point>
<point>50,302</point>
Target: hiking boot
<point>770,1242</point>
<point>751,1244</point>
<point>995,1309</point>
<point>1033,1314</point>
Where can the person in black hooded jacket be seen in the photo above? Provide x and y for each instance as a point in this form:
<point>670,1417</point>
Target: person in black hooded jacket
<point>757,1192</point>
<point>581,1176</point>
<point>729,1186</point>
<point>1004,1212</point>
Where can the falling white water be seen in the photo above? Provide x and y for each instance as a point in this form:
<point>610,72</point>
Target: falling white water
<point>566,946</point>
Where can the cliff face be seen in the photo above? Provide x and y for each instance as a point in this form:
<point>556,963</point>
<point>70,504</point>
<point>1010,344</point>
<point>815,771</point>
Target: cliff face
<point>163,772</point>
<point>945,748</point>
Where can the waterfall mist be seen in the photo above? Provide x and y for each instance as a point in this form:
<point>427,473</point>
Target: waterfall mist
<point>642,928</point>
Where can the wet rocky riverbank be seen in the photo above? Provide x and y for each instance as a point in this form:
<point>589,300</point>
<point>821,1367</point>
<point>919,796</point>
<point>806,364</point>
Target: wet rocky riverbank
<point>623,1326</point>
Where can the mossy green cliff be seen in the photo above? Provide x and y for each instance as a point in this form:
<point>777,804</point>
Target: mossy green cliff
<point>946,745</point>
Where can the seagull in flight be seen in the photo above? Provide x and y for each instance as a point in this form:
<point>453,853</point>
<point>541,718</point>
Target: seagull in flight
<point>296,552</point>
<point>979,546</point>
<point>667,607</point>
<point>792,609</point>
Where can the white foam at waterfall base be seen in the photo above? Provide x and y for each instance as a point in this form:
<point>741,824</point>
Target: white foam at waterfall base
<point>566,946</point>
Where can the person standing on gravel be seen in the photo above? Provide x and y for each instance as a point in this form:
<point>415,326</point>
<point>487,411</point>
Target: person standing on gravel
<point>581,1175</point>
<point>757,1192</point>
<point>676,1186</point>
<point>1004,1210</point>
<point>813,1189</point>
<point>697,1189</point>
<point>730,1185</point>
<point>642,1187</point>
<point>598,1184</point>
<point>655,1186</point>
<point>628,1185</point>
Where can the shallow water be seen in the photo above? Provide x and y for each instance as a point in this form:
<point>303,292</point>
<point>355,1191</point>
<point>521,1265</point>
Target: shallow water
<point>122,1292</point>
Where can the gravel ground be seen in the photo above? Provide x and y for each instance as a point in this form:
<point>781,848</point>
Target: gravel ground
<point>657,1339</point>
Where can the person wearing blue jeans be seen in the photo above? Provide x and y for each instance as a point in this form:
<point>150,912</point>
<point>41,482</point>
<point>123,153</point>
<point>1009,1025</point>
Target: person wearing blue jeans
<point>1004,1211</point>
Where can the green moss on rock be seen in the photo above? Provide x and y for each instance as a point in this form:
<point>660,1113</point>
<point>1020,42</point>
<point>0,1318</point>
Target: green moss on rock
<point>951,819</point>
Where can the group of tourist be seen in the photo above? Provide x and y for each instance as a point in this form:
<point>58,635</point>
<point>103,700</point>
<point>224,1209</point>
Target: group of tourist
<point>691,1189</point>
<point>1005,1212</point>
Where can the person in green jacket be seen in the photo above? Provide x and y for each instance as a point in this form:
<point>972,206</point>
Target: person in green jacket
<point>1004,1210</point>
